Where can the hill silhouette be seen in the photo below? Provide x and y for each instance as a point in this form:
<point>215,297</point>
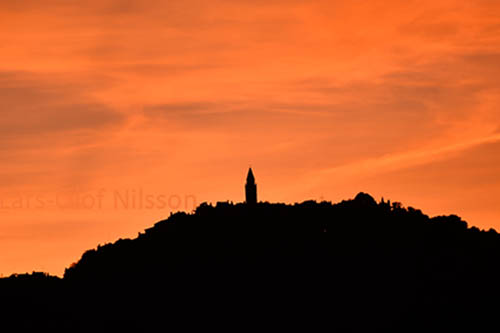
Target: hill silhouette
<point>355,266</point>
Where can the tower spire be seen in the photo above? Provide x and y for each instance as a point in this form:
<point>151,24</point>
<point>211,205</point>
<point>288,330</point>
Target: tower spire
<point>251,188</point>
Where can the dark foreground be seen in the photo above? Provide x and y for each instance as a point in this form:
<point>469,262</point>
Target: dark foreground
<point>357,266</point>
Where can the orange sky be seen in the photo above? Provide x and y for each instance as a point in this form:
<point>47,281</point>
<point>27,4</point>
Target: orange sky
<point>177,98</point>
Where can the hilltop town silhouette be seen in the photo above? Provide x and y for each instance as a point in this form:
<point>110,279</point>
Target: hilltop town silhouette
<point>355,266</point>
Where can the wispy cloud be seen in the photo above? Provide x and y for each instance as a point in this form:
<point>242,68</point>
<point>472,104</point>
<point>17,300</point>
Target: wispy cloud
<point>405,160</point>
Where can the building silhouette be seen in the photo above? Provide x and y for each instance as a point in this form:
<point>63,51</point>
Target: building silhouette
<point>251,189</point>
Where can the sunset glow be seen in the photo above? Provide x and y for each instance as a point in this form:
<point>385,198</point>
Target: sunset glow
<point>115,113</point>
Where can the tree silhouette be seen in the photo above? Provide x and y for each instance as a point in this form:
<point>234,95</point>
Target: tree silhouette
<point>356,266</point>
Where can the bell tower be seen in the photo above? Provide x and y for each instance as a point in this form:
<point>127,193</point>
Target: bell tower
<point>250,189</point>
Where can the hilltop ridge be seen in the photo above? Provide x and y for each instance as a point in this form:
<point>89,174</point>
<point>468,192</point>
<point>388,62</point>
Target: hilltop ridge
<point>359,223</point>
<point>356,265</point>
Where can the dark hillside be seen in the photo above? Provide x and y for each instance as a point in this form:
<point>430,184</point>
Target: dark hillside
<point>354,266</point>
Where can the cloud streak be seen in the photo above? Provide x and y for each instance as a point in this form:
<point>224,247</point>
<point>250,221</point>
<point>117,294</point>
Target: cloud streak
<point>406,160</point>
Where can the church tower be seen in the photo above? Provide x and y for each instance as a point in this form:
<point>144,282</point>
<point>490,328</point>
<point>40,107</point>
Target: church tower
<point>251,189</point>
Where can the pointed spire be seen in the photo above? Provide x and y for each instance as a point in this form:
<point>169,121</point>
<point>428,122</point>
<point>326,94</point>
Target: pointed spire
<point>251,189</point>
<point>250,177</point>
